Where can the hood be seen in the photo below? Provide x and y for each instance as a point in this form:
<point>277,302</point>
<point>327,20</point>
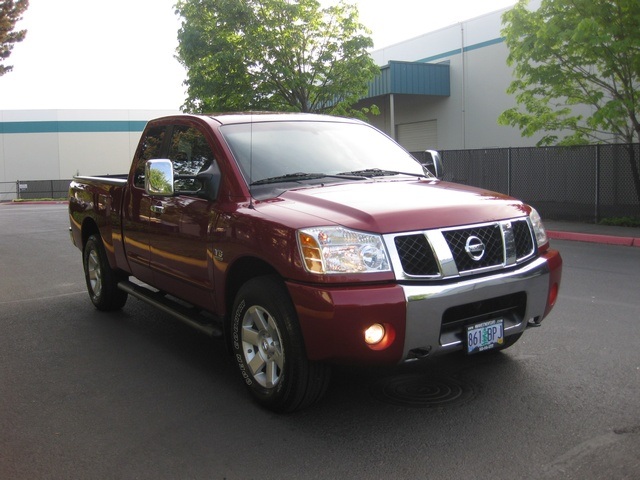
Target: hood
<point>389,206</point>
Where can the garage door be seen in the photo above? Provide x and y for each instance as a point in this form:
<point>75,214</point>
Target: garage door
<point>419,136</point>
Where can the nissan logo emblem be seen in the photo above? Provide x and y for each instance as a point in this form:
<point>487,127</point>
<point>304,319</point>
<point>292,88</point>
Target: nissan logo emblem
<point>474,248</point>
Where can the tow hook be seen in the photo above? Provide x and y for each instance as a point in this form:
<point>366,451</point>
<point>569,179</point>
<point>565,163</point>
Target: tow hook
<point>534,322</point>
<point>418,354</point>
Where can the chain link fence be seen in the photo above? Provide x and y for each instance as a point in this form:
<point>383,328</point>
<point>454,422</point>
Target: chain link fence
<point>585,184</point>
<point>34,189</point>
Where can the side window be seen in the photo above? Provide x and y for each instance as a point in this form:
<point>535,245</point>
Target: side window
<point>150,146</point>
<point>190,154</point>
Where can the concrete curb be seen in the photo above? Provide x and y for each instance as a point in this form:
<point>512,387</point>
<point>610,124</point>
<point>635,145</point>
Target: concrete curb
<point>594,238</point>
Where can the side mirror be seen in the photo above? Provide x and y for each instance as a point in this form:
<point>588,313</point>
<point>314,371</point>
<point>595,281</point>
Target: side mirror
<point>158,179</point>
<point>433,162</point>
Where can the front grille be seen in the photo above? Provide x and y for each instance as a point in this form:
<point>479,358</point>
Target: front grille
<point>490,236</point>
<point>523,239</point>
<point>466,250</point>
<point>416,255</point>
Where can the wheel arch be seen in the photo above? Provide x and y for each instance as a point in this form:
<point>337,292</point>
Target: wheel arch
<point>239,273</point>
<point>89,227</point>
<point>243,270</point>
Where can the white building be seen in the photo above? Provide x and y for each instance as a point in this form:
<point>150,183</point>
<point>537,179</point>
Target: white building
<point>424,108</point>
<point>54,144</point>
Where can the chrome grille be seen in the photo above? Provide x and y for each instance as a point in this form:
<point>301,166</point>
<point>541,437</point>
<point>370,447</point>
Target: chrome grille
<point>491,238</point>
<point>465,250</point>
<point>416,255</point>
<point>523,239</point>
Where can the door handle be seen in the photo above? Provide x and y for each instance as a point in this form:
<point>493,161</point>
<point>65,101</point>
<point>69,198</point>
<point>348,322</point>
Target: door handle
<point>159,209</point>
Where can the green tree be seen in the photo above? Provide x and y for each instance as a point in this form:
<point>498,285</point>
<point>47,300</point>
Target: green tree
<point>277,55</point>
<point>10,12</point>
<point>576,65</point>
<point>158,181</point>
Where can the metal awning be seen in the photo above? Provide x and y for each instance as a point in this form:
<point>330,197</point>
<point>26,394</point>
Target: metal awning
<point>411,78</point>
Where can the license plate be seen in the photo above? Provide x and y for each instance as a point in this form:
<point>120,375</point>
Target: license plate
<point>485,336</point>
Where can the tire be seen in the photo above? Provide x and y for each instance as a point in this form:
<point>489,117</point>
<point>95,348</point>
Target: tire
<point>102,280</point>
<point>268,347</point>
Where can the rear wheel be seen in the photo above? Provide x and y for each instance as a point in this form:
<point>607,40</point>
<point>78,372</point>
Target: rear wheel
<point>102,280</point>
<point>269,348</point>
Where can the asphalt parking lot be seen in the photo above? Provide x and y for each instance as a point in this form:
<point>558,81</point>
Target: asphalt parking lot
<point>134,394</point>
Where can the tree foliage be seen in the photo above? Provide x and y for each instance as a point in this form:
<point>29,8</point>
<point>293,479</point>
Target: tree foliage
<point>279,55</point>
<point>10,12</point>
<point>572,53</point>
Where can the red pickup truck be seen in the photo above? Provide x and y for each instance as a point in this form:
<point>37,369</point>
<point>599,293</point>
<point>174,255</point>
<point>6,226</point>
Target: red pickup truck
<point>307,240</point>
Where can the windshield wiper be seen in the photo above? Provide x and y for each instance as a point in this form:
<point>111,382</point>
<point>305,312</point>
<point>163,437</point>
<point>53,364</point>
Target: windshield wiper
<point>289,177</point>
<point>377,172</point>
<point>299,176</point>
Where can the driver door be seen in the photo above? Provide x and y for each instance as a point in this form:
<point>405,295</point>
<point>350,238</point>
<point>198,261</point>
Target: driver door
<point>180,243</point>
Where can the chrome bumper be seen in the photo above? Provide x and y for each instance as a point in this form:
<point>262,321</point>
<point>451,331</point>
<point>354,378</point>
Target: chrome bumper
<point>426,306</point>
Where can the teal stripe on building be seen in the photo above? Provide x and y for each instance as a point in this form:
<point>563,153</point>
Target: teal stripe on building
<point>420,77</point>
<point>457,51</point>
<point>80,126</point>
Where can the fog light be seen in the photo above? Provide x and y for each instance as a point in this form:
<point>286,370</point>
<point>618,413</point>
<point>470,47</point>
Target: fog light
<point>374,334</point>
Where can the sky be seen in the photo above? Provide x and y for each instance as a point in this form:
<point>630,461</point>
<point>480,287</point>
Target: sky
<point>120,54</point>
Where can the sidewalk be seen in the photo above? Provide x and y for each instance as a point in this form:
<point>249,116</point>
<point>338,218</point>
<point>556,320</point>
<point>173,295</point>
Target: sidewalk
<point>588,232</point>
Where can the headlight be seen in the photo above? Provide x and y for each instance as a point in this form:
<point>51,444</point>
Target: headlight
<point>538,228</point>
<point>340,250</point>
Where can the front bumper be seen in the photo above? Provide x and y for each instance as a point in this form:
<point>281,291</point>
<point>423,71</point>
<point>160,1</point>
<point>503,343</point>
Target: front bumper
<point>437,315</point>
<point>422,319</point>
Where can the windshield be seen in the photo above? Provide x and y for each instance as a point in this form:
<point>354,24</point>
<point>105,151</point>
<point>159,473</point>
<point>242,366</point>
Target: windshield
<point>294,151</point>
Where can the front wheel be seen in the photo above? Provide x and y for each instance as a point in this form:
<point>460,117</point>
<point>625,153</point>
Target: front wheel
<point>102,280</point>
<point>268,347</point>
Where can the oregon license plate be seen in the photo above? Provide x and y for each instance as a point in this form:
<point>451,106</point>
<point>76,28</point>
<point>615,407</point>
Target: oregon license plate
<point>485,336</point>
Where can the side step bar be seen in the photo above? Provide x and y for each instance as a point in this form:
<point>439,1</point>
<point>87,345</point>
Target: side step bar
<point>190,316</point>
